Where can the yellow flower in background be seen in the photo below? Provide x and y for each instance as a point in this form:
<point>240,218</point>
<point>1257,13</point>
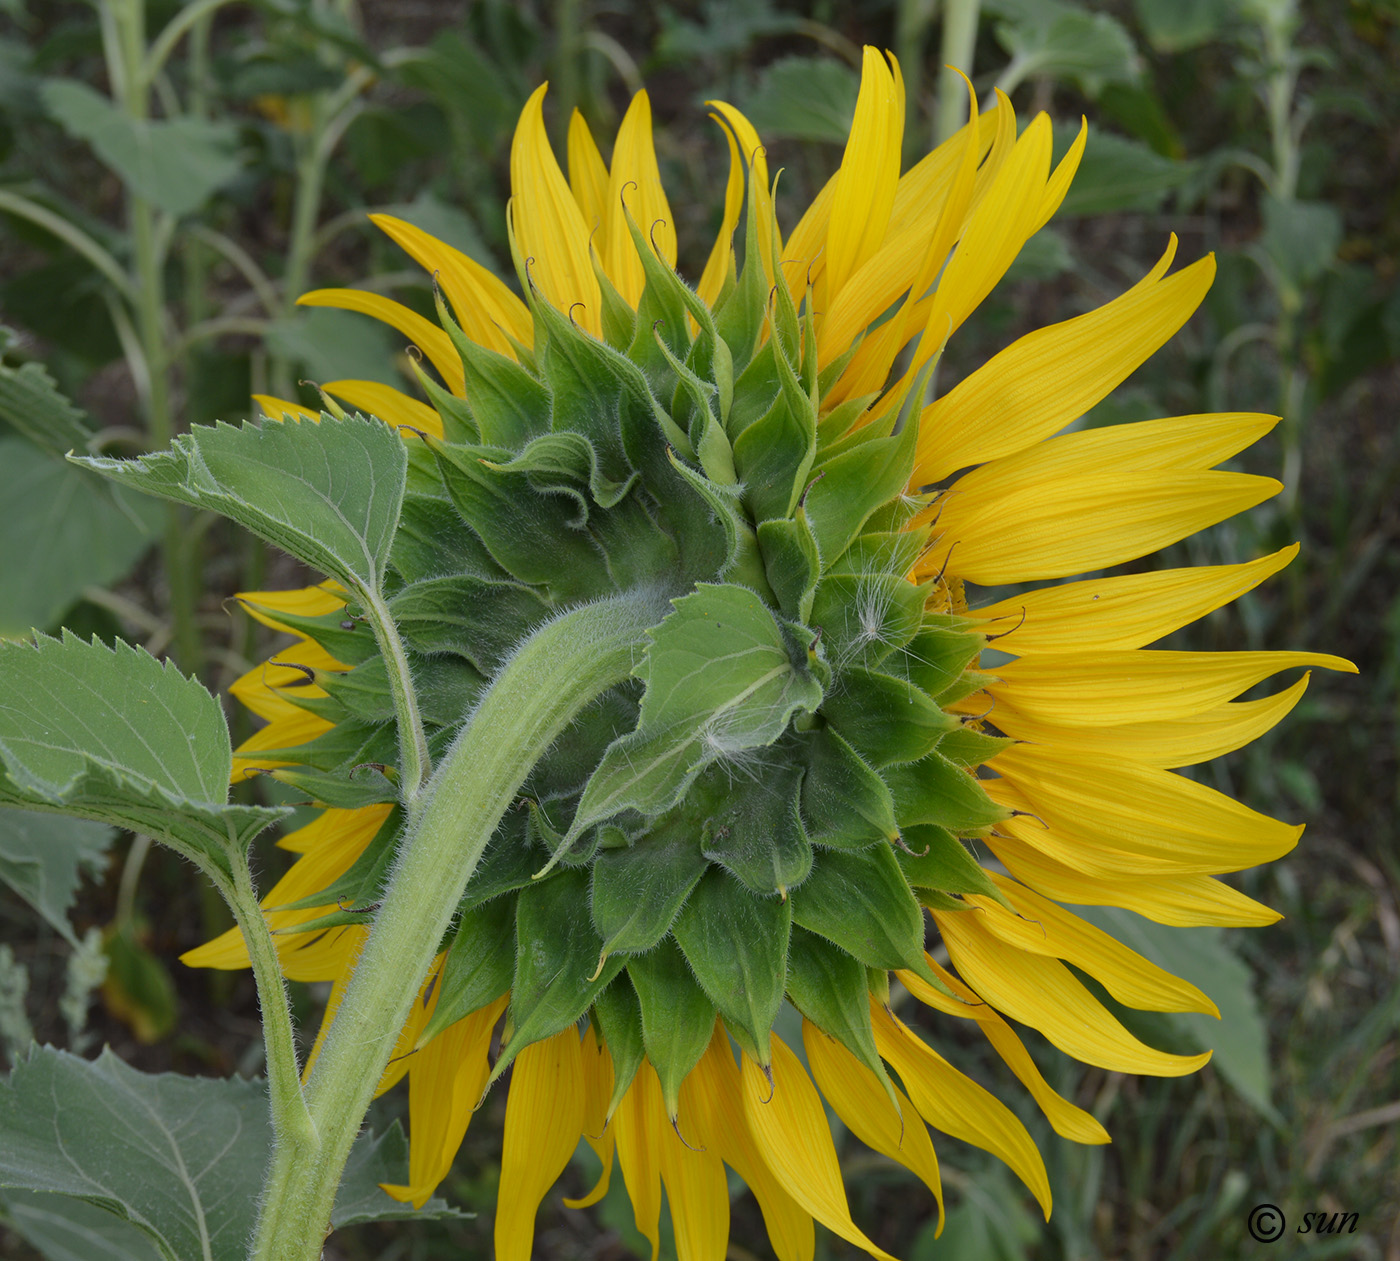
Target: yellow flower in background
<point>1059,763</point>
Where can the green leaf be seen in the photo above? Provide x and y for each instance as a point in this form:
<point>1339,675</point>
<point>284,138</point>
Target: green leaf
<point>805,98</point>
<point>176,163</point>
<point>42,858</point>
<point>1173,26</point>
<point>328,493</point>
<point>941,862</point>
<point>755,830</point>
<point>721,678</point>
<point>478,967</point>
<point>557,970</point>
<point>678,1021</point>
<point>138,987</point>
<point>737,947</point>
<point>1119,174</point>
<point>1239,1039</point>
<point>374,1161</point>
<point>65,1229</point>
<point>934,790</point>
<point>1301,237</point>
<point>638,890</point>
<point>113,735</point>
<point>830,988</point>
<point>31,404</point>
<point>937,656</point>
<point>845,804</point>
<point>1057,40</point>
<point>59,535</point>
<point>333,345</point>
<point>885,719</point>
<point>352,789</point>
<point>180,1158</point>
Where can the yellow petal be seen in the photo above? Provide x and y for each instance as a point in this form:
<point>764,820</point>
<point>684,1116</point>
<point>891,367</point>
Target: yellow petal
<point>910,258</point>
<point>392,406</point>
<point>279,408</point>
<point>485,307</point>
<point>858,1097</point>
<point>1122,612</point>
<point>1051,376</point>
<point>448,1077</point>
<point>1044,994</point>
<point>636,181</point>
<point>1067,1120</point>
<point>588,173</point>
<point>544,1118</point>
<point>302,602</point>
<point>1105,689</point>
<point>1062,177</point>
<point>597,1090</point>
<point>721,260</point>
<point>869,174</point>
<point>1180,900</point>
<point>1041,927</point>
<point>638,1151</point>
<point>789,1126</point>
<point>1172,823</point>
<point>1051,527</point>
<point>428,337</point>
<point>696,1188</point>
<point>718,1092</point>
<point>1171,744</point>
<point>756,157</point>
<point>1001,223</point>
<point>549,226</point>
<point>957,1105</point>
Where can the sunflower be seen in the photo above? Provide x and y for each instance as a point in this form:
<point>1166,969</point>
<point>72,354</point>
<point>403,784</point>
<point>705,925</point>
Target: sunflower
<point>759,449</point>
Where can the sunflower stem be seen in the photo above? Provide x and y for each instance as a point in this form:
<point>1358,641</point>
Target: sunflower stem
<point>413,744</point>
<point>555,673</point>
<point>293,1130</point>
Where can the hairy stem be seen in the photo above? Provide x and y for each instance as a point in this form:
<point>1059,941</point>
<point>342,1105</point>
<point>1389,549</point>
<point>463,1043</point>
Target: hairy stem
<point>559,670</point>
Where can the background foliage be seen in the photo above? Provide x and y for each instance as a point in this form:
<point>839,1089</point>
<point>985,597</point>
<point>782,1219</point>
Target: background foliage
<point>152,245</point>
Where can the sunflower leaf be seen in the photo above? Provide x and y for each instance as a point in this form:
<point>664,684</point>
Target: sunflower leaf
<point>941,862</point>
<point>737,947</point>
<point>329,494</point>
<point>114,735</point>
<point>854,483</point>
<point>42,859</point>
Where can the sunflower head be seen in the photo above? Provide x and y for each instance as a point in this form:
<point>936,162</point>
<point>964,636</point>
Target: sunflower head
<point>801,766</point>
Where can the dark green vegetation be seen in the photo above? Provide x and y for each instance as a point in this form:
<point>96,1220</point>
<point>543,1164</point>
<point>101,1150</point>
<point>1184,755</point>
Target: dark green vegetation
<point>1249,134</point>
